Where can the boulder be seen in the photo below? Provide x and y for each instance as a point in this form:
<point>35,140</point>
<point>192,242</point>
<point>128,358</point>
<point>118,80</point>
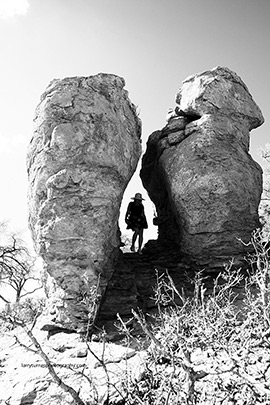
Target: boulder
<point>84,150</point>
<point>199,173</point>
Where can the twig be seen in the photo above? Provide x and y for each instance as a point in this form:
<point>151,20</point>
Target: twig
<point>146,329</point>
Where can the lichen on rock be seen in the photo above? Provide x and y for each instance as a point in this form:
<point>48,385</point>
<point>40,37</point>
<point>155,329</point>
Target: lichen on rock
<point>84,150</point>
<point>198,170</point>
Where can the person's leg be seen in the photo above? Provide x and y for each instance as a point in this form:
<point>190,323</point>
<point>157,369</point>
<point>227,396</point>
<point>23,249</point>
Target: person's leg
<point>134,237</point>
<point>140,240</point>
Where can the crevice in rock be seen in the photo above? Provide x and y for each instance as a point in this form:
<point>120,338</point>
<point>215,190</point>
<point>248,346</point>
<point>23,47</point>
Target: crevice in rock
<point>191,116</point>
<point>195,177</point>
<point>197,180</point>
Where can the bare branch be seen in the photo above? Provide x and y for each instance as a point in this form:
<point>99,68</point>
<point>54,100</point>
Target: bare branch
<point>4,299</point>
<point>16,266</point>
<point>15,321</point>
<point>30,292</point>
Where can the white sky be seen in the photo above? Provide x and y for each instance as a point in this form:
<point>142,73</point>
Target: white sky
<point>11,8</point>
<point>153,44</point>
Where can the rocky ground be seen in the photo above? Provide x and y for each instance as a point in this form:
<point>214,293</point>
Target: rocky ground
<point>95,370</point>
<point>24,378</point>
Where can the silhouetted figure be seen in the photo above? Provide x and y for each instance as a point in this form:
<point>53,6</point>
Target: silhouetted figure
<point>136,220</point>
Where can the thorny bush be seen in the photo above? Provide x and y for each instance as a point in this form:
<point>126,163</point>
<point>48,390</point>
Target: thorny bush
<point>213,347</point>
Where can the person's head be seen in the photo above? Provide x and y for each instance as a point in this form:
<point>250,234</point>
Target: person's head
<point>138,198</point>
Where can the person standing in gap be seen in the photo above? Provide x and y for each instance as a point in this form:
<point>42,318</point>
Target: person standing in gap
<point>136,220</point>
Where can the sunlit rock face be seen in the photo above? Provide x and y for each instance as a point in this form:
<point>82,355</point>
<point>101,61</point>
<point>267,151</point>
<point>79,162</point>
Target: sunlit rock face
<point>198,170</point>
<point>85,148</point>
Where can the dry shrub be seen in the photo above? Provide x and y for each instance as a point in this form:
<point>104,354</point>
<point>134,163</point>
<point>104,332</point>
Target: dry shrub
<point>210,348</point>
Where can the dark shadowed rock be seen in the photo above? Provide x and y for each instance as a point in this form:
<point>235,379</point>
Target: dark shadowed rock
<point>85,148</point>
<point>198,170</point>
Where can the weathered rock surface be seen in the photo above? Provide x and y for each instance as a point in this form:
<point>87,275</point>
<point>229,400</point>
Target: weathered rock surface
<point>198,170</point>
<point>24,377</point>
<point>134,282</point>
<point>85,148</point>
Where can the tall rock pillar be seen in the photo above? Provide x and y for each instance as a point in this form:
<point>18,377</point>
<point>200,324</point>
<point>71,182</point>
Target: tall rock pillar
<point>85,148</point>
<point>198,170</point>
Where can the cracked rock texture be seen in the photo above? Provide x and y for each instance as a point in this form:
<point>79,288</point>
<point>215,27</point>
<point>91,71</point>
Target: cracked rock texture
<point>24,378</point>
<point>198,170</point>
<point>85,148</point>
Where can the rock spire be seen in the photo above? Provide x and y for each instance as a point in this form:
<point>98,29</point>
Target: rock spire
<point>198,170</point>
<point>84,150</point>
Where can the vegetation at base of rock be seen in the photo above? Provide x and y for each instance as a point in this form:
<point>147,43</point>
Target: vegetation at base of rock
<point>210,349</point>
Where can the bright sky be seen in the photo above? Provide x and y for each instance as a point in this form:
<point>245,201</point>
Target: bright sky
<point>153,44</point>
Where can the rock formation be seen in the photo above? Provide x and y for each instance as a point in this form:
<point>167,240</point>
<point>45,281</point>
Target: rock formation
<point>199,173</point>
<point>85,148</point>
